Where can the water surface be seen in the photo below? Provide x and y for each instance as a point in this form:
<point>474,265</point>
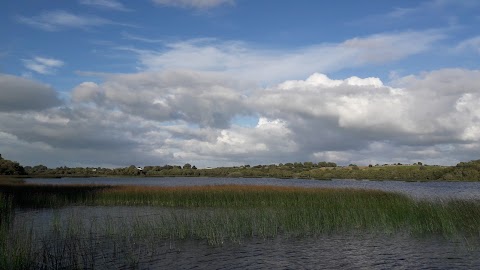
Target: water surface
<point>417,190</point>
<point>326,251</point>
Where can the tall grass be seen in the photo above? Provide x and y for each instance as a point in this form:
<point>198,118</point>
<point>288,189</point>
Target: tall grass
<point>287,209</point>
<point>216,214</point>
<point>267,211</point>
<point>13,250</point>
<point>33,195</point>
<point>6,210</point>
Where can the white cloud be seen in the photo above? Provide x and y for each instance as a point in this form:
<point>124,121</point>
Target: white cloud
<point>199,98</point>
<point>87,92</point>
<point>242,60</point>
<point>43,65</point>
<point>60,19</point>
<point>175,117</point>
<point>420,116</point>
<point>438,104</point>
<point>105,4</point>
<point>197,4</point>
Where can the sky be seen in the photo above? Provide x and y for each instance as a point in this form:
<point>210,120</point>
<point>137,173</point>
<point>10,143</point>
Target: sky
<point>114,83</point>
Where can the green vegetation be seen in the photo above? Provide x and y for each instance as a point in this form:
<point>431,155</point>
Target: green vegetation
<point>305,209</point>
<point>8,167</point>
<point>26,195</point>
<point>463,171</point>
<point>218,214</point>
<point>467,171</point>
<point>5,210</point>
<point>215,214</point>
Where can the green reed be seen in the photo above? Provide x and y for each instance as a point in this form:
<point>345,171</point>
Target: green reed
<point>217,215</point>
<point>306,210</point>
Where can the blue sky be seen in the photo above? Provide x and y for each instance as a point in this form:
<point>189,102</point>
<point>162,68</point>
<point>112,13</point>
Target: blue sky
<point>228,82</point>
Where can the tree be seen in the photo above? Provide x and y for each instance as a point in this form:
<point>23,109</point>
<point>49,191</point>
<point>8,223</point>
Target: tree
<point>326,164</point>
<point>38,169</point>
<point>131,170</point>
<point>308,164</point>
<point>298,165</point>
<point>187,166</point>
<point>8,167</point>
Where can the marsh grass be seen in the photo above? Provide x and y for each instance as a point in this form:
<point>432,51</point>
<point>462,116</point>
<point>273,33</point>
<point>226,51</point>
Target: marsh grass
<point>37,196</point>
<point>14,249</point>
<point>10,180</point>
<point>217,215</point>
<point>310,211</point>
<point>5,207</point>
<point>282,209</point>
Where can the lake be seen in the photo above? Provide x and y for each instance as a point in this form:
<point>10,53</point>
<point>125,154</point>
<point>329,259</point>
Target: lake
<point>102,248</point>
<point>123,237</point>
<point>417,190</point>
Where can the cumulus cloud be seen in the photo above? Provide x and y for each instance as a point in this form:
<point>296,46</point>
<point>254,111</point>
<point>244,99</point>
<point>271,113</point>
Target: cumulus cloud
<point>342,120</point>
<point>196,4</point>
<point>20,94</point>
<point>78,135</point>
<point>198,98</point>
<point>353,102</point>
<point>268,137</point>
<point>350,118</point>
<point>243,60</point>
<point>87,92</point>
<point>184,116</point>
<point>43,65</point>
<point>105,4</point>
<point>70,128</point>
<point>61,19</point>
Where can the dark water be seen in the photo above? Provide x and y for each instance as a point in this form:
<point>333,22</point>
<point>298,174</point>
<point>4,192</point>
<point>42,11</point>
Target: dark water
<point>328,251</point>
<point>418,190</point>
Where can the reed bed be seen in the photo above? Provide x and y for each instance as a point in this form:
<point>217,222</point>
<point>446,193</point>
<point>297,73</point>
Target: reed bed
<point>34,195</point>
<point>219,214</point>
<point>10,180</point>
<point>311,210</point>
<point>307,210</point>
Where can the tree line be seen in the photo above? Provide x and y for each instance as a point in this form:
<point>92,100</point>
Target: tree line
<point>463,171</point>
